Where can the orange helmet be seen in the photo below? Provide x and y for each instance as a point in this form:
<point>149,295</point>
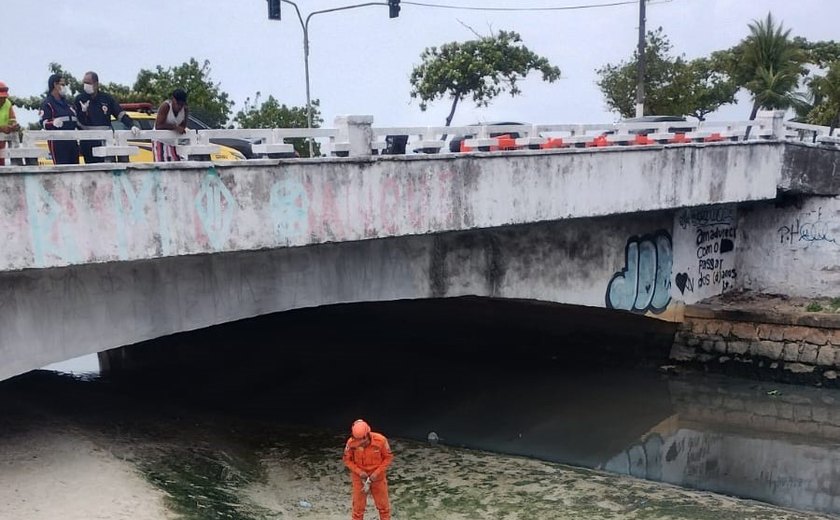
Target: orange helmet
<point>360,429</point>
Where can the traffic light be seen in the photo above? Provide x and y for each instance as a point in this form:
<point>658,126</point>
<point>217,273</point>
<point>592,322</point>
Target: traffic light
<point>273,9</point>
<point>393,8</point>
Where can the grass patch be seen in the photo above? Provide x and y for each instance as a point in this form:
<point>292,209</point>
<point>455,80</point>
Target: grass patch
<point>201,484</point>
<point>814,307</point>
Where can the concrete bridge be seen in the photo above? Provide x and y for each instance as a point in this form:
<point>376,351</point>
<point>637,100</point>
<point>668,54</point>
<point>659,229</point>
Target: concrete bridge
<point>101,256</point>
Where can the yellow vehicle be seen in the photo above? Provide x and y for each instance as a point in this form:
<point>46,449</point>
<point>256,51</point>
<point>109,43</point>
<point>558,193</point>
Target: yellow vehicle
<point>144,115</point>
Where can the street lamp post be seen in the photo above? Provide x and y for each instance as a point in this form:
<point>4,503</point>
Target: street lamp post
<point>304,24</point>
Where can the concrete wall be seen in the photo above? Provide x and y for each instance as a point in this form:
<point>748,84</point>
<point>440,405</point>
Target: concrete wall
<point>49,315</point>
<point>810,169</point>
<point>70,216</point>
<point>705,250</point>
<point>790,247</point>
<point>792,250</point>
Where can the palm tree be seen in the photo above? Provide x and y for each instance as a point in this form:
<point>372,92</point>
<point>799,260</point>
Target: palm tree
<point>770,65</point>
<point>774,64</point>
<point>772,89</point>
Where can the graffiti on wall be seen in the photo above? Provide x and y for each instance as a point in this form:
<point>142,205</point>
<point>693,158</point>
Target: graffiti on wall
<point>644,284</point>
<point>123,215</point>
<point>706,217</point>
<point>289,204</point>
<point>47,219</point>
<point>706,247</point>
<point>807,228</point>
<point>326,209</point>
<point>130,212</point>
<point>713,248</point>
<point>215,207</point>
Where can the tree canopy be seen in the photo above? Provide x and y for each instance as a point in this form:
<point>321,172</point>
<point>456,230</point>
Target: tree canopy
<point>271,114</point>
<point>820,104</point>
<point>673,85</point>
<point>482,69</point>
<point>207,100</point>
<point>768,63</point>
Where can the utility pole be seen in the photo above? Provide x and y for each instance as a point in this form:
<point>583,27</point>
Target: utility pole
<point>640,67</point>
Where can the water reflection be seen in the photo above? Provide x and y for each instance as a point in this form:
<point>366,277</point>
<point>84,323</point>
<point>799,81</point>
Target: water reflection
<point>772,443</point>
<point>704,432</point>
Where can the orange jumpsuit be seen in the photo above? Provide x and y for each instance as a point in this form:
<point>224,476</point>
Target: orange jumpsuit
<point>373,460</point>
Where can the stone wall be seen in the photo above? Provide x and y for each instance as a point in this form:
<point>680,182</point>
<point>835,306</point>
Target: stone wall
<point>801,348</point>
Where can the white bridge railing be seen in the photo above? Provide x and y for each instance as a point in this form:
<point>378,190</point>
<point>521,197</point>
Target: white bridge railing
<point>811,133</point>
<point>355,136</point>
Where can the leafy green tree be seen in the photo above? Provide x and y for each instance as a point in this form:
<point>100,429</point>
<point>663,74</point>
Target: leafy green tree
<point>819,53</point>
<point>482,68</point>
<point>207,100</point>
<point>673,86</point>
<point>703,89</point>
<point>821,106</point>
<point>271,114</point>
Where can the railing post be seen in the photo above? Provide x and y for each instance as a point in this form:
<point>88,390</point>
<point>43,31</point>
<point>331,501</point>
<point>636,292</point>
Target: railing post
<point>358,132</point>
<point>773,120</point>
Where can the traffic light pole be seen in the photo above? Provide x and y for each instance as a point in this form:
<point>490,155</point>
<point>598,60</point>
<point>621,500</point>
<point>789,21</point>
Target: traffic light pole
<point>304,24</point>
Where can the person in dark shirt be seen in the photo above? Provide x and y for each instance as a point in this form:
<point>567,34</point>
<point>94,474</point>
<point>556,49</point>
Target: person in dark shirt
<point>94,110</point>
<point>57,114</point>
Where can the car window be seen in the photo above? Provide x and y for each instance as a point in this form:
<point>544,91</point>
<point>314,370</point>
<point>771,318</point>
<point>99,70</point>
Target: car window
<point>195,124</point>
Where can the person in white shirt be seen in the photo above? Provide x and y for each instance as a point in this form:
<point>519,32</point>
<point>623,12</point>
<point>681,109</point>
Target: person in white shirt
<point>172,115</point>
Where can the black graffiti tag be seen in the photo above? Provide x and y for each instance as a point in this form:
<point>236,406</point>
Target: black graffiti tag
<point>806,228</point>
<point>713,216</point>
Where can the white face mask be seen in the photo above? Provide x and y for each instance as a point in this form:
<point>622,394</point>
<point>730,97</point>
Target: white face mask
<point>89,88</point>
<point>65,91</point>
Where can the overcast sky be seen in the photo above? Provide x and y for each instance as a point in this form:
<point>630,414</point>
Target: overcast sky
<point>361,60</point>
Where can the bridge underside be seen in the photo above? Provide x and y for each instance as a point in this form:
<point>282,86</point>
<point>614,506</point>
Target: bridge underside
<point>468,330</point>
<point>58,314</point>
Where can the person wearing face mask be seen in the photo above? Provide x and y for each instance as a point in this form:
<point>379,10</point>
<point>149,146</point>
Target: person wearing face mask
<point>58,114</point>
<point>94,109</point>
<point>172,115</point>
<point>8,121</point>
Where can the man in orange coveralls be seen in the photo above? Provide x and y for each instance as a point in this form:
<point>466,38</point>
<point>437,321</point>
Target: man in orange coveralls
<point>368,455</point>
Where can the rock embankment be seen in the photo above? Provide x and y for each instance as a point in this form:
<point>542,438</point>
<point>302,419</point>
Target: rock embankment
<point>771,336</point>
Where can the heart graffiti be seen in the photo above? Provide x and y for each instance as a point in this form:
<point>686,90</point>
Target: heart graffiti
<point>684,282</point>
